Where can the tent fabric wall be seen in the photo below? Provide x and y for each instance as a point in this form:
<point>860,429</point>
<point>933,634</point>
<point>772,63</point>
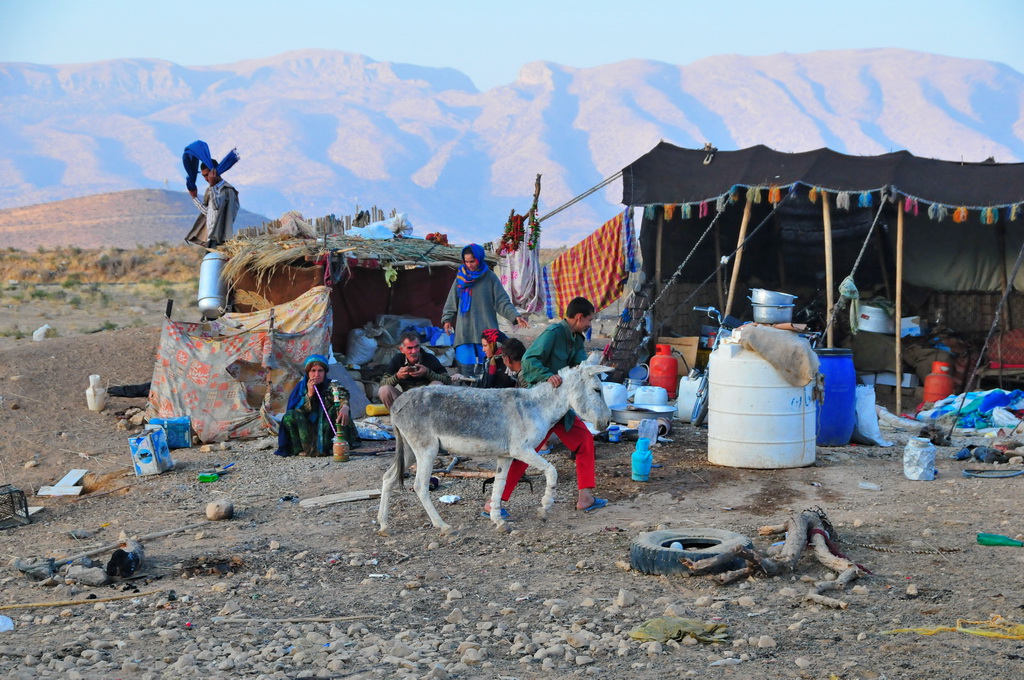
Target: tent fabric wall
<point>230,375</point>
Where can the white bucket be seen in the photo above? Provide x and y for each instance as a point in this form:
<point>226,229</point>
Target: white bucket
<point>613,393</point>
<point>686,397</point>
<point>755,418</point>
<point>651,394</point>
<point>876,320</point>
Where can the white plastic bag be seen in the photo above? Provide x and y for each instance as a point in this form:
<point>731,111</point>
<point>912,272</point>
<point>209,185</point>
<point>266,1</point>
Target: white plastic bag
<point>866,430</point>
<point>41,333</point>
<point>648,429</point>
<point>1003,418</point>
<point>361,347</point>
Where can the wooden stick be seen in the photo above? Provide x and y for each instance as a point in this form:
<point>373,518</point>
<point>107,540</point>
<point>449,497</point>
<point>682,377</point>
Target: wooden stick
<point>112,546</point>
<point>899,308</point>
<point>827,601</point>
<point>66,603</point>
<point>826,217</point>
<point>308,619</point>
<point>739,258</point>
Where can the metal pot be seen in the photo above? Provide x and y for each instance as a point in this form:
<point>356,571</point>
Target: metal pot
<point>760,296</point>
<point>773,313</point>
<point>624,413</point>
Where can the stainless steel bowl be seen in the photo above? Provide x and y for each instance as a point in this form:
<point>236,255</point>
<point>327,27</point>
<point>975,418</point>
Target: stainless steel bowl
<point>624,413</point>
<point>760,296</point>
<point>773,313</point>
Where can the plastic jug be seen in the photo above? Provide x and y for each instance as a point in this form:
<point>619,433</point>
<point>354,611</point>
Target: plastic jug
<point>686,396</point>
<point>939,383</point>
<point>664,370</point>
<point>96,394</point>
<point>651,395</point>
<point>919,460</point>
<point>614,393</point>
<point>642,460</point>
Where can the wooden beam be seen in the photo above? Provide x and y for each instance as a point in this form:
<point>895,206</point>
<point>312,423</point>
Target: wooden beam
<point>899,309</point>
<point>346,497</point>
<point>719,278</point>
<point>739,258</point>
<point>826,218</point>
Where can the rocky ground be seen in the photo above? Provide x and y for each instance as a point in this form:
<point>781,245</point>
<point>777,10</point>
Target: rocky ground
<point>285,591</point>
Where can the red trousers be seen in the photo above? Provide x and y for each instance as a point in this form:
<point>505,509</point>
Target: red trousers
<point>578,439</point>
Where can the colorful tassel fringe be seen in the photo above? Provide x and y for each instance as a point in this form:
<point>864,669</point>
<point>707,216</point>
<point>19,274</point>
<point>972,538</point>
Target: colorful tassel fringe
<point>753,195</point>
<point>670,210</point>
<point>721,203</point>
<point>910,205</point>
<point>812,195</point>
<point>960,215</point>
<point>990,215</point>
<point>865,200</point>
<point>937,212</point>
<point>1015,212</point>
<point>843,200</point>
<point>703,212</point>
<point>687,210</point>
<point>774,194</point>
<point>649,212</point>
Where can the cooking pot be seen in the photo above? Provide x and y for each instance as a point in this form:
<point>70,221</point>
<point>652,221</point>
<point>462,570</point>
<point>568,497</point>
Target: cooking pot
<point>614,393</point>
<point>773,313</point>
<point>624,413</point>
<point>650,394</point>
<point>760,296</point>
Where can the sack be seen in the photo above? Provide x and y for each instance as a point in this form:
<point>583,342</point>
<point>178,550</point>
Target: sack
<point>866,430</point>
<point>361,347</point>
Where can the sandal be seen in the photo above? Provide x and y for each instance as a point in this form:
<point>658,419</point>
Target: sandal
<point>596,505</point>
<point>505,515</point>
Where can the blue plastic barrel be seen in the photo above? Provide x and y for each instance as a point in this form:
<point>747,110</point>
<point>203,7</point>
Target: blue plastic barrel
<point>837,415</point>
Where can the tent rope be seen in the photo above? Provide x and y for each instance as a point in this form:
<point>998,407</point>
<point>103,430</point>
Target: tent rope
<point>991,332</point>
<point>856,264</point>
<point>579,198</point>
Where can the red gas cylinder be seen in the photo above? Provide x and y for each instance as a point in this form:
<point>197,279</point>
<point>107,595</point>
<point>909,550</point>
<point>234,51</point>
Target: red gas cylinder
<point>664,370</point>
<point>939,383</point>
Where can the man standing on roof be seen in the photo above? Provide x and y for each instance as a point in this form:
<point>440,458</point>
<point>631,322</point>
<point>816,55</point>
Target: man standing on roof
<point>219,206</point>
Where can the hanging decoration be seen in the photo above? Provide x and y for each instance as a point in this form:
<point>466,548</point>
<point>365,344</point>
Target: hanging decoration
<point>753,195</point>
<point>687,211</point>
<point>990,215</point>
<point>703,211</point>
<point>722,202</point>
<point>533,241</point>
<point>960,215</point>
<point>910,205</point>
<point>670,211</point>
<point>1015,212</point>
<point>843,200</point>
<point>649,212</point>
<point>513,235</point>
<point>812,195</point>
<point>865,200</point>
<point>734,193</point>
<point>937,212</point>
<point>774,194</point>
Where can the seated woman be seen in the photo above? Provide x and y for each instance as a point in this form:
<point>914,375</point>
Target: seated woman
<point>312,416</point>
<point>504,359</point>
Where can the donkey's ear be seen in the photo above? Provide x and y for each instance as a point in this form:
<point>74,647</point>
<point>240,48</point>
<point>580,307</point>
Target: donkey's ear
<point>595,370</point>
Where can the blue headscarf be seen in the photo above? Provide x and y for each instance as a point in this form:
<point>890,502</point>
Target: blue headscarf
<point>466,279</point>
<point>198,152</point>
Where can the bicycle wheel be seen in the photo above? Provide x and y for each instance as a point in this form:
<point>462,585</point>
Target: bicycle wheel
<point>700,403</point>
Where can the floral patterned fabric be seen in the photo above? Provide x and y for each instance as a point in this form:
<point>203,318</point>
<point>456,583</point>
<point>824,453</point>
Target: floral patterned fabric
<point>231,374</point>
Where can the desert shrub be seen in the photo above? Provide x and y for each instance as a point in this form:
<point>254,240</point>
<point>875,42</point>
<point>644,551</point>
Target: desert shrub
<point>40,294</point>
<point>74,279</point>
<point>108,325</point>
<point>76,301</point>
<point>104,299</point>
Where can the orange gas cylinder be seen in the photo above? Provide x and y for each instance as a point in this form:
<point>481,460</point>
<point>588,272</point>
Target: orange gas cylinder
<point>664,370</point>
<point>939,383</point>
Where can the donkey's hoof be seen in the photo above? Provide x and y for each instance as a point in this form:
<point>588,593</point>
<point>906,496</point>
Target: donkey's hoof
<point>383,531</point>
<point>542,515</point>
<point>448,530</point>
<point>502,527</point>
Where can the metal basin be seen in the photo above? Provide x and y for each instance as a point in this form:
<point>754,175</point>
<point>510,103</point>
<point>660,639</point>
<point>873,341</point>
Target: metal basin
<point>773,313</point>
<point>760,296</point>
<point>623,413</point>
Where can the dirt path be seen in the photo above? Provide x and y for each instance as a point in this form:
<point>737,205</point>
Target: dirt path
<point>547,600</point>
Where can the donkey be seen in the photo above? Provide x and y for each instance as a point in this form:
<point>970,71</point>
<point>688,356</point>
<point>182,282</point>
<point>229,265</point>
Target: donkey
<point>503,424</point>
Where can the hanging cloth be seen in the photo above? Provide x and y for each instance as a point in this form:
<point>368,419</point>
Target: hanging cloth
<point>520,275</point>
<point>849,294</point>
<point>594,268</point>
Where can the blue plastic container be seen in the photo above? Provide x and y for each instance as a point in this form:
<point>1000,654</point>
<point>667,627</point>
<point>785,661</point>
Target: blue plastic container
<point>179,431</point>
<point>837,416</point>
<point>642,460</point>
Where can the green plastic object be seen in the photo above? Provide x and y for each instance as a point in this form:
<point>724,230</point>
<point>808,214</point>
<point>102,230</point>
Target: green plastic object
<point>208,476</point>
<point>997,539</point>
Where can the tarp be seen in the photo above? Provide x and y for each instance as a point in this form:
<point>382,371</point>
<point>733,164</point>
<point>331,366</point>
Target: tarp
<point>229,375</point>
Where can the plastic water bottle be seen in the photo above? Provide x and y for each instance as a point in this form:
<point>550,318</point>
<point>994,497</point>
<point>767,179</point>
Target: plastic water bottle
<point>642,460</point>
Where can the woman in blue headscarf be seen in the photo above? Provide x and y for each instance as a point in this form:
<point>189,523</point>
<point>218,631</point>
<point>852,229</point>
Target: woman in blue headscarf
<point>312,415</point>
<point>474,302</point>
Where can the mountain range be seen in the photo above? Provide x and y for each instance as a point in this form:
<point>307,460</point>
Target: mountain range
<point>325,131</point>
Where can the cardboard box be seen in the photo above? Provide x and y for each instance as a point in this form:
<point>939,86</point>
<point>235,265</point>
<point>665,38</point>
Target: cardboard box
<point>910,327</point>
<point>150,454</point>
<point>179,431</point>
<point>683,349</point>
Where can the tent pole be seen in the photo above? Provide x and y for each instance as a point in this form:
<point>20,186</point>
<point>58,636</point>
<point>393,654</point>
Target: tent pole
<point>1004,275</point>
<point>719,282</point>
<point>883,266</point>
<point>657,265</point>
<point>739,257</point>
<point>826,216</point>
<point>780,258</point>
<point>899,308</point>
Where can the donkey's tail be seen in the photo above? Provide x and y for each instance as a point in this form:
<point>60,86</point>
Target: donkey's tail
<point>399,458</point>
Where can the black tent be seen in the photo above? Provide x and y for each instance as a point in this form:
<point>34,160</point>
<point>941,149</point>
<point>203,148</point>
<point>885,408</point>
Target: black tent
<point>962,225</point>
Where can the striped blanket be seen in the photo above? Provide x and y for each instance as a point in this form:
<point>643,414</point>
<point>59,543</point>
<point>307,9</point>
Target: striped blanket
<point>595,268</point>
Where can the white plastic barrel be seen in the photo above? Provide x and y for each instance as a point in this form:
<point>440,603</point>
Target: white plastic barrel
<point>755,418</point>
<point>213,290</point>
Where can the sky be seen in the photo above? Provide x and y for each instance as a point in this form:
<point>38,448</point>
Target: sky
<point>489,41</point>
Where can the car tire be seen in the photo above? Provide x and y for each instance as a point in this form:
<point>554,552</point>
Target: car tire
<point>650,552</point>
